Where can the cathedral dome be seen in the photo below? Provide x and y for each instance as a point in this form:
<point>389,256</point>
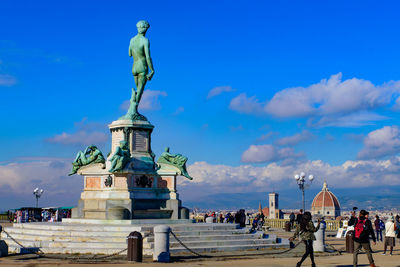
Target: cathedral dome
<point>325,203</point>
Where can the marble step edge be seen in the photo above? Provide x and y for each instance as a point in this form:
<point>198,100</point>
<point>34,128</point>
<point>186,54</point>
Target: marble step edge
<point>211,249</point>
<point>109,238</point>
<point>77,251</point>
<point>209,237</point>
<point>110,227</point>
<point>121,233</point>
<point>12,231</point>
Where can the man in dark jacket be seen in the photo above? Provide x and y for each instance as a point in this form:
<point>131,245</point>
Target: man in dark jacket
<point>292,217</point>
<point>299,216</point>
<point>362,241</point>
<point>378,223</point>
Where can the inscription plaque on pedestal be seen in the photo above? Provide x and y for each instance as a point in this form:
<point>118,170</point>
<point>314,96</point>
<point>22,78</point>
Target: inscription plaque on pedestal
<point>140,139</point>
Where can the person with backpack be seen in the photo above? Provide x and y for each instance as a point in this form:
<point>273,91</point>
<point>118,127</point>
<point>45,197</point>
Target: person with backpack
<point>379,227</point>
<point>390,236</point>
<point>362,232</point>
<point>305,230</point>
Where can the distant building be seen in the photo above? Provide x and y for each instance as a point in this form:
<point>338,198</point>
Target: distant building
<point>325,204</point>
<point>273,211</point>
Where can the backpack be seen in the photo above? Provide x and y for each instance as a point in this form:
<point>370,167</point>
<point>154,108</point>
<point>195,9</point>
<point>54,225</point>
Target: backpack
<point>359,228</point>
<point>381,225</point>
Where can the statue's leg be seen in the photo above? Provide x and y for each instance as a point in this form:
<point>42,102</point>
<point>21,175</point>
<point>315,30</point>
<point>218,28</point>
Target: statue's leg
<point>133,98</point>
<point>140,83</point>
<point>78,156</point>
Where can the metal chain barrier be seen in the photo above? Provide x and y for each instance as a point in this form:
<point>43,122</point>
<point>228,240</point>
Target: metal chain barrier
<point>210,256</point>
<point>190,250</point>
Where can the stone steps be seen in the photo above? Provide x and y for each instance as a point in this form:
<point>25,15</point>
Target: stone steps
<point>188,238</point>
<point>226,248</point>
<point>108,239</point>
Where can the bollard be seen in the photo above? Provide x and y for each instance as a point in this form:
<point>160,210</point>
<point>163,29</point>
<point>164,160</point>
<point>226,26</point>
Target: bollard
<point>3,246</point>
<point>349,242</point>
<point>161,243</point>
<point>288,226</point>
<point>135,247</point>
<point>319,243</point>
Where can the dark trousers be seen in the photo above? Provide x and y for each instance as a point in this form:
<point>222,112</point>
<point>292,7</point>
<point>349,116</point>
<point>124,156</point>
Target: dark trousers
<point>309,251</point>
<point>379,235</point>
<point>357,249</point>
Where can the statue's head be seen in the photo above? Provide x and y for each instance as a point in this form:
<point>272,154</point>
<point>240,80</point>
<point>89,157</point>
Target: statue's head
<point>142,26</point>
<point>167,149</point>
<point>92,147</point>
<point>123,144</point>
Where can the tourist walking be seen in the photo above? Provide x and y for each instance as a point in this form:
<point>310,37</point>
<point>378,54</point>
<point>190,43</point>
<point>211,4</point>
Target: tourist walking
<point>292,217</point>
<point>390,236</point>
<point>379,227</point>
<point>362,232</point>
<point>305,230</point>
<point>298,217</point>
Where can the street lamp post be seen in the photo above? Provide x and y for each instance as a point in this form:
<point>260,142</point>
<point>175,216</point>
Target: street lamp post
<point>38,193</point>
<point>303,185</point>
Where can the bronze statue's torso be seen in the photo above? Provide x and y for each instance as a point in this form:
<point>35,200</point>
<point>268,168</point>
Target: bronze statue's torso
<point>137,46</point>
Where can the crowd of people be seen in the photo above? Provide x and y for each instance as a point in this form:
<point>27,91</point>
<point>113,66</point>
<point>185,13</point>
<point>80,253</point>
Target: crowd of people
<point>361,229</point>
<point>25,215</point>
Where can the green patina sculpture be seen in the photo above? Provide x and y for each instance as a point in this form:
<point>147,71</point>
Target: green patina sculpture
<point>139,49</point>
<point>90,155</point>
<point>120,157</point>
<point>177,160</point>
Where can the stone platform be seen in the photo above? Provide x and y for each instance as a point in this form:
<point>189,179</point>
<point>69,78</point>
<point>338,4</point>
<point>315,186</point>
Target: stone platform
<point>85,238</point>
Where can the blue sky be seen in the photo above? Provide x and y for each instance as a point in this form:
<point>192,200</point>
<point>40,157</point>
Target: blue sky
<point>270,87</point>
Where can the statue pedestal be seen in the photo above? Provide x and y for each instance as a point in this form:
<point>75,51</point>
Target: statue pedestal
<point>139,191</point>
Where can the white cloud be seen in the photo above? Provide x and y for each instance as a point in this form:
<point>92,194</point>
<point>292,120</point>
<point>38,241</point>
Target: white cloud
<point>7,80</point>
<point>219,90</point>
<point>266,136</point>
<point>294,139</point>
<point>332,96</point>
<point>87,133</point>
<point>150,100</point>
<point>80,137</point>
<point>247,105</point>
<point>269,153</point>
<point>351,120</point>
<point>380,143</point>
<point>18,179</point>
<point>179,110</point>
<point>334,101</point>
<point>213,179</point>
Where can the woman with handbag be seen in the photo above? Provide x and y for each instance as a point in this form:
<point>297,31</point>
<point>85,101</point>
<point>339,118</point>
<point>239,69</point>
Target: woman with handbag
<point>305,230</point>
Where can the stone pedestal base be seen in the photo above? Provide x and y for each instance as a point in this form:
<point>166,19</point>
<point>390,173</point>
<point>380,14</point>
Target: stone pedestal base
<point>139,191</point>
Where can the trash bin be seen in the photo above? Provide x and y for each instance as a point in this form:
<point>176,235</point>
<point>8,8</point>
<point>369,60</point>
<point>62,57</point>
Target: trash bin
<point>135,247</point>
<point>287,226</point>
<point>349,242</point>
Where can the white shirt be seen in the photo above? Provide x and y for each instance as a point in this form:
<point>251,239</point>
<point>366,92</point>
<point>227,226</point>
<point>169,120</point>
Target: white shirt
<point>389,226</point>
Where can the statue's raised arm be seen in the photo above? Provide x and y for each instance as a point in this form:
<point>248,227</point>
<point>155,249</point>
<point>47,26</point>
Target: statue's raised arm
<point>139,49</point>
